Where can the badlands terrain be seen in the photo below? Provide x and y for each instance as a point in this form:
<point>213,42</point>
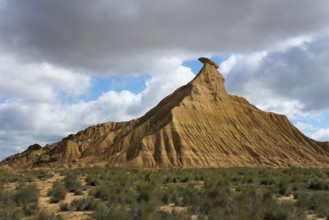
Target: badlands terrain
<point>201,153</point>
<point>199,125</point>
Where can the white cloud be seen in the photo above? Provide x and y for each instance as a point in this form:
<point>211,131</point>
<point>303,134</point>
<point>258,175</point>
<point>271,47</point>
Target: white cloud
<point>227,65</point>
<point>44,121</point>
<point>321,135</point>
<point>292,108</point>
<point>306,127</point>
<point>39,81</point>
<point>290,80</point>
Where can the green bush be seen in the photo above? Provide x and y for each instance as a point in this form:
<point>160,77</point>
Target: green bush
<point>101,213</point>
<point>57,193</point>
<point>73,184</point>
<point>318,185</point>
<point>117,211</point>
<point>26,194</point>
<point>145,191</point>
<point>43,175</point>
<point>84,204</point>
<point>102,192</point>
<point>30,209</point>
<point>11,214</point>
<point>317,201</point>
<point>44,215</point>
<point>283,188</point>
<point>267,182</point>
<point>93,180</point>
<point>25,197</point>
<point>63,206</point>
<point>8,177</point>
<point>6,198</point>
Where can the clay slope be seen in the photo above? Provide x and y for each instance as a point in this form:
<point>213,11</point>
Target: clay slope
<point>199,125</point>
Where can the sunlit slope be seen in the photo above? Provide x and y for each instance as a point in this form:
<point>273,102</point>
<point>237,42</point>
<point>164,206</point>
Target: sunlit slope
<point>199,125</point>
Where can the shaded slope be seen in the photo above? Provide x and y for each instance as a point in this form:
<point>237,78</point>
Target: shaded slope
<point>199,125</point>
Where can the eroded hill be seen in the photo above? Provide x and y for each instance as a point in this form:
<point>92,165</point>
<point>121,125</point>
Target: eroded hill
<point>199,125</point>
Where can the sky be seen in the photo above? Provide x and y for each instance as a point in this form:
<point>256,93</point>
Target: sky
<point>66,65</point>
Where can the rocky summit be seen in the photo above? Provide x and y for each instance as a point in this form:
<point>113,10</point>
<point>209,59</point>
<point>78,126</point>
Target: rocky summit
<point>199,125</point>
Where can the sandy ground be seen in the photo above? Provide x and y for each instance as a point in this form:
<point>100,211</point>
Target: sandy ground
<point>44,186</point>
<point>289,198</point>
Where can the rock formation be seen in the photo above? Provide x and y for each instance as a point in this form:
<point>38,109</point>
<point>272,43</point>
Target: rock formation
<point>199,125</point>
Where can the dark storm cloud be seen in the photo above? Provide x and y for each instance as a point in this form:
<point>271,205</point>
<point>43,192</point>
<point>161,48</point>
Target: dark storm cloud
<point>298,73</point>
<point>103,35</point>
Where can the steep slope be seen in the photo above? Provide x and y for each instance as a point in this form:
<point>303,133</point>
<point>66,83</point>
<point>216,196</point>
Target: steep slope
<point>199,125</point>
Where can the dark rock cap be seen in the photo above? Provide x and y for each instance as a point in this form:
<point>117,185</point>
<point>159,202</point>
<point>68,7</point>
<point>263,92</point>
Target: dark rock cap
<point>205,60</point>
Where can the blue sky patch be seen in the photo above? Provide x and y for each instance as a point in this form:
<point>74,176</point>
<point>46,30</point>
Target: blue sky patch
<point>103,84</point>
<point>196,65</point>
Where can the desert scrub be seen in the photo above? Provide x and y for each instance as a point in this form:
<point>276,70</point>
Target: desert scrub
<point>93,180</point>
<point>24,199</point>
<point>64,206</point>
<point>144,192</point>
<point>57,193</point>
<point>316,201</point>
<point>318,184</point>
<point>122,211</point>
<point>72,184</point>
<point>26,195</point>
<point>11,214</point>
<point>284,188</point>
<point>44,215</point>
<point>230,193</point>
<point>104,212</point>
<point>7,177</point>
<point>84,204</point>
<point>6,198</point>
<point>103,192</point>
<point>43,175</point>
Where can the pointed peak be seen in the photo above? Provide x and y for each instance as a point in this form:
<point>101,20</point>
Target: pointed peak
<point>209,70</point>
<point>205,60</point>
<point>209,77</point>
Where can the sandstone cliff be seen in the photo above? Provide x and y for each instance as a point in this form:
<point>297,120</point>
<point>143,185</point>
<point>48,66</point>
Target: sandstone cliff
<point>199,125</point>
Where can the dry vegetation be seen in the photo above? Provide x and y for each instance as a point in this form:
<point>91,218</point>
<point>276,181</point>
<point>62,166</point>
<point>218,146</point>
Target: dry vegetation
<point>113,193</point>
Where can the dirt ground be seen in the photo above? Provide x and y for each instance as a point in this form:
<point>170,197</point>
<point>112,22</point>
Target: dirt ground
<point>44,204</point>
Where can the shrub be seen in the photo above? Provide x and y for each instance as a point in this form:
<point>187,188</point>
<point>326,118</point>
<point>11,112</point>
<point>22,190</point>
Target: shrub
<point>93,180</point>
<point>43,175</point>
<point>275,215</point>
<point>318,185</point>
<point>317,201</point>
<point>6,198</point>
<point>43,215</point>
<point>116,211</point>
<point>63,206</point>
<point>102,212</point>
<point>267,182</point>
<point>84,204</point>
<point>283,188</point>
<point>57,193</point>
<point>102,192</point>
<point>73,184</point>
<point>283,211</point>
<point>26,194</point>
<point>145,191</point>
<point>11,214</point>
<point>31,209</point>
